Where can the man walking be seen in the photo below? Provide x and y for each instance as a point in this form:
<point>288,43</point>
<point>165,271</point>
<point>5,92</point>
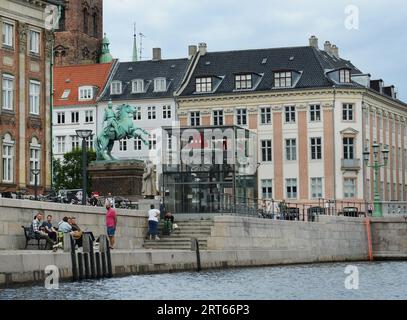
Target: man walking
<point>153,216</point>
<point>111,223</point>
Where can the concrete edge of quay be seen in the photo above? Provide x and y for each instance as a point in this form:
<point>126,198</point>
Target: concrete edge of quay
<point>27,268</point>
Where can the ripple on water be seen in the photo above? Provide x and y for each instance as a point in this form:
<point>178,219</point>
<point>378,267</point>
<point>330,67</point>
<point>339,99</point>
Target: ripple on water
<point>381,280</point>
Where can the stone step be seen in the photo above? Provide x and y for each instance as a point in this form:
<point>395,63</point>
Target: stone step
<point>183,246</point>
<point>186,235</point>
<point>174,240</point>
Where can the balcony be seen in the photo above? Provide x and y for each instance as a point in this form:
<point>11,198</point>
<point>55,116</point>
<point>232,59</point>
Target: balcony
<point>351,164</point>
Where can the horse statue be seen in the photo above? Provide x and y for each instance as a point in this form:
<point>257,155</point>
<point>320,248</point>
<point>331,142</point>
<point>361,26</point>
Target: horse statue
<point>119,125</point>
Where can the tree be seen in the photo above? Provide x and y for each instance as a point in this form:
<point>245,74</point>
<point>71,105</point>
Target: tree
<point>68,172</point>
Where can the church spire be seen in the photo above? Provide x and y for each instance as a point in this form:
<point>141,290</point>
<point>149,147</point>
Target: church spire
<point>135,55</point>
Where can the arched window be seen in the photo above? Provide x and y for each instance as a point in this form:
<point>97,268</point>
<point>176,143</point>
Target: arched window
<point>85,21</point>
<point>95,25</point>
<point>35,160</point>
<point>8,159</point>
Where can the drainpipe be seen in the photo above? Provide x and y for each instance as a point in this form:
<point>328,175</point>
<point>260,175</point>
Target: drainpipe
<point>333,133</point>
<point>363,142</point>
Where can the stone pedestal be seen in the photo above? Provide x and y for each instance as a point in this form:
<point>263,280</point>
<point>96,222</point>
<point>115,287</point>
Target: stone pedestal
<point>121,178</point>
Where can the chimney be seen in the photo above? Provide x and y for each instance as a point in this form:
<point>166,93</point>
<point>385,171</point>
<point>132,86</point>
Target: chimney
<point>328,47</point>
<point>156,54</point>
<point>192,50</point>
<point>202,48</point>
<point>335,51</point>
<point>377,85</point>
<point>389,91</point>
<point>313,42</point>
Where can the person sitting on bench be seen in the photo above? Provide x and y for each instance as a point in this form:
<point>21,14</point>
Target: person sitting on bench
<point>35,225</point>
<point>49,229</point>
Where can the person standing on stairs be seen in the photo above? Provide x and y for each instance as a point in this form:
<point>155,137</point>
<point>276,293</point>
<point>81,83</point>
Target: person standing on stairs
<point>153,216</point>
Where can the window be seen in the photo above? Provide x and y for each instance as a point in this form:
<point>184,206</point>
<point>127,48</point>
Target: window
<point>34,97</point>
<point>116,87</point>
<point>316,148</point>
<point>316,188</point>
<point>290,114</point>
<point>266,155</point>
<point>347,112</point>
<point>291,188</point>
<point>34,42</point>
<point>8,92</point>
<point>160,85</point>
<point>218,118</point>
<point>344,76</point>
<point>265,115</point>
<point>89,142</point>
<point>85,93</point>
<point>151,114</point>
<point>203,84</point>
<point>282,79</point>
<point>60,117</point>
<point>195,118</point>
<point>8,34</point>
<point>8,159</point>
<point>89,116</point>
<point>349,188</point>
<point>152,142</point>
<point>348,148</point>
<point>241,117</point>
<point>315,113</point>
<point>138,86</point>
<point>75,142</point>
<point>35,149</point>
<point>291,149</point>
<point>123,145</point>
<point>137,144</point>
<point>75,116</point>
<point>267,189</point>
<point>61,144</point>
<point>137,114</point>
<point>166,112</point>
<point>65,94</point>
<point>243,82</point>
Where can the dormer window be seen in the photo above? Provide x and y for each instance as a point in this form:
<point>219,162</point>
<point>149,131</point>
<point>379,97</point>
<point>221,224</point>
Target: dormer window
<point>116,87</point>
<point>85,93</point>
<point>65,94</point>
<point>160,85</point>
<point>282,79</point>
<point>138,86</point>
<point>203,84</point>
<point>344,76</point>
<point>243,82</point>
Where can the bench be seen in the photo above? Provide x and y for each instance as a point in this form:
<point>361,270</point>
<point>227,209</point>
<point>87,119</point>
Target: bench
<point>29,237</point>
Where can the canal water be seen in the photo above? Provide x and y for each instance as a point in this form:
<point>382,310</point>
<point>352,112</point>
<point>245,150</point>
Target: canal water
<point>379,280</point>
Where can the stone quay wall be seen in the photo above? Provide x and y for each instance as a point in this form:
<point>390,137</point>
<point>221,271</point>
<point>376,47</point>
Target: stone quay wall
<point>131,230</point>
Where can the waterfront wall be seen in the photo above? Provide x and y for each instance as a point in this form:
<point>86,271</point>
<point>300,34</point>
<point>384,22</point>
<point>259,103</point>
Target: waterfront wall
<point>131,230</point>
<point>389,237</point>
<point>329,239</point>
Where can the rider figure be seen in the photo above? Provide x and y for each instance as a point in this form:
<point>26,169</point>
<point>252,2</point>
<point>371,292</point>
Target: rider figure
<point>110,118</point>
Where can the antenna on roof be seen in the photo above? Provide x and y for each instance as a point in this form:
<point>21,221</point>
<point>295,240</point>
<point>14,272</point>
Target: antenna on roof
<point>141,45</point>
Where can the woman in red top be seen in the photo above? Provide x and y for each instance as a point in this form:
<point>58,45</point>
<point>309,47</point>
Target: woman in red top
<point>111,223</point>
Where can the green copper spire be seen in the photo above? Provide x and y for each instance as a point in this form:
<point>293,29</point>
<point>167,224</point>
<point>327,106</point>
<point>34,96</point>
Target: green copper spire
<point>105,57</point>
<point>135,55</point>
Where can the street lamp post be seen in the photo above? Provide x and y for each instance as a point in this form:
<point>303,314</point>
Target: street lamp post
<point>84,134</point>
<point>35,173</point>
<point>376,167</point>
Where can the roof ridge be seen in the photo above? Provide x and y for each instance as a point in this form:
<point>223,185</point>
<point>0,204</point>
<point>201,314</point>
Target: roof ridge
<point>259,49</point>
<point>143,61</point>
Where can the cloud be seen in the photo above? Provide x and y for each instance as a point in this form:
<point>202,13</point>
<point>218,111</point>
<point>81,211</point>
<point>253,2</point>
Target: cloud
<point>377,47</point>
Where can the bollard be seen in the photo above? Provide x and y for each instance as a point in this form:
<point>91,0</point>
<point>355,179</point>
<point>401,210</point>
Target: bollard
<point>195,247</point>
<point>103,261</point>
<point>109,260</point>
<point>97,263</point>
<point>67,242</point>
<point>80,266</point>
<point>86,264</point>
<point>92,259</point>
<point>71,241</point>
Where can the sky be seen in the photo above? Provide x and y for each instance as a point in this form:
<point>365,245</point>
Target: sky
<point>371,34</point>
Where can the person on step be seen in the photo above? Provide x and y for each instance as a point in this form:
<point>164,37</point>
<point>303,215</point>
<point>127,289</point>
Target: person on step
<point>153,217</point>
<point>111,223</point>
<point>168,223</point>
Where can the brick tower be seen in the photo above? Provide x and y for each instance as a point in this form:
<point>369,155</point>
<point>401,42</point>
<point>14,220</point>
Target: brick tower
<point>79,37</point>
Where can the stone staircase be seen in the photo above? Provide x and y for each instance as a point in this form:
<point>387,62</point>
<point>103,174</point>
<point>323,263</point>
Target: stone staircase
<point>180,239</point>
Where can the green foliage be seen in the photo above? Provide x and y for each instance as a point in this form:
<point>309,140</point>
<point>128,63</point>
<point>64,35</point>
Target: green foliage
<point>68,172</point>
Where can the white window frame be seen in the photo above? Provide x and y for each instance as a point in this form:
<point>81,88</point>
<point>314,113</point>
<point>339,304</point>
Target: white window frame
<point>152,142</point>
<point>344,76</point>
<point>116,87</point>
<point>167,114</point>
<point>218,117</point>
<point>8,159</point>
<point>291,183</point>
<point>137,144</point>
<point>8,34</point>
<point>89,142</point>
<point>123,145</point>
<point>61,144</point>
<point>290,111</point>
<point>35,97</point>
<point>89,118</point>
<point>75,143</point>
<point>65,94</point>
<point>348,112</point>
<point>315,148</point>
<point>315,114</point>
<point>266,150</point>
<point>137,114</point>
<point>283,79</point>
<point>74,117</point>
<point>243,81</point>
<point>85,93</point>
<point>195,118</point>
<point>347,192</point>
<point>203,84</point>
<point>34,41</point>
<point>137,86</point>
<point>61,117</point>
<point>160,84</point>
<point>317,188</point>
<point>241,117</point>
<point>291,149</point>
<point>265,115</point>
<point>151,113</point>
<point>266,189</point>
<point>8,92</point>
<point>35,161</point>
